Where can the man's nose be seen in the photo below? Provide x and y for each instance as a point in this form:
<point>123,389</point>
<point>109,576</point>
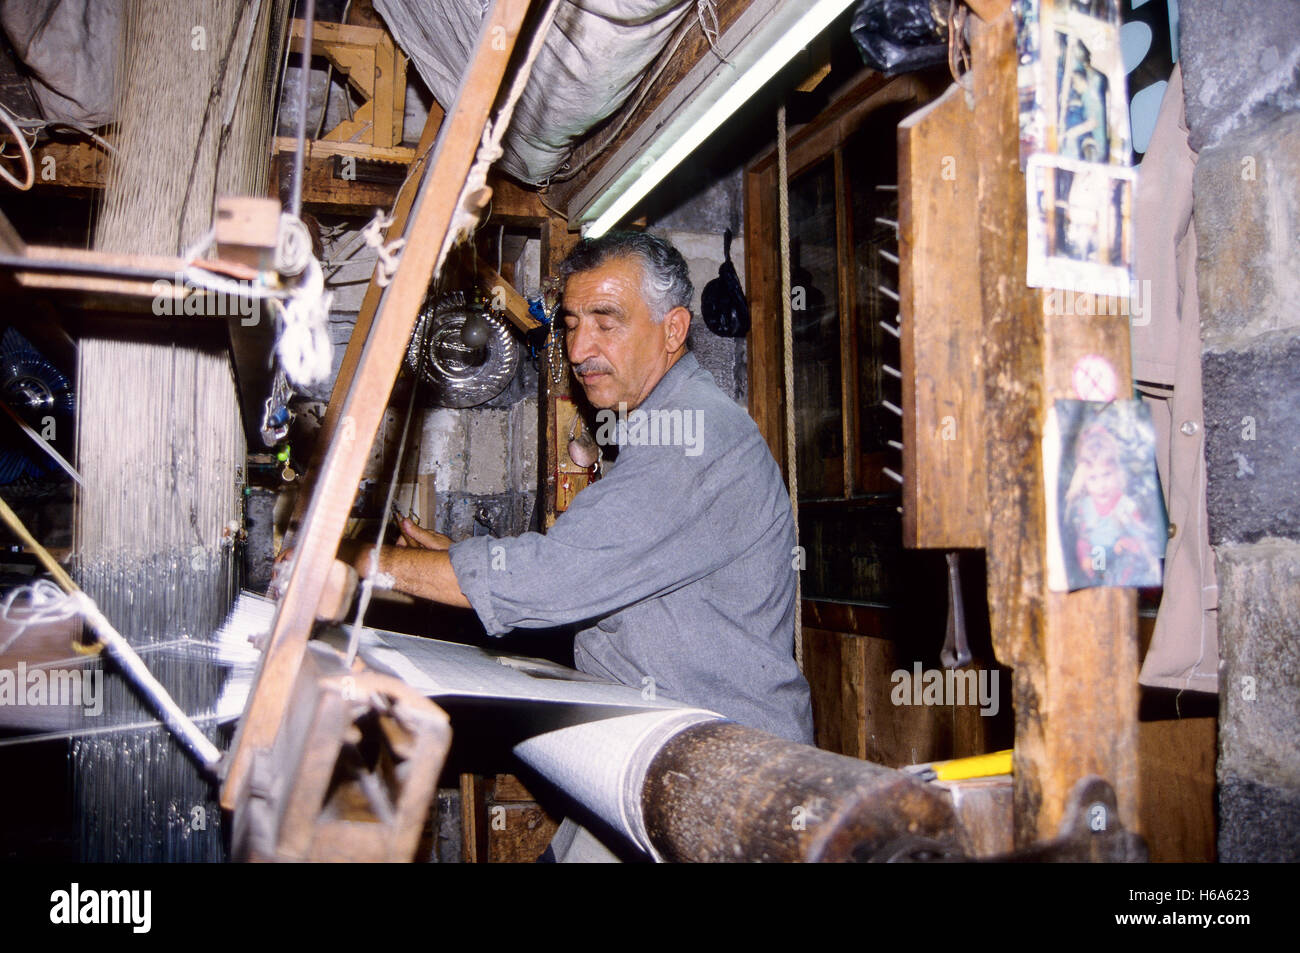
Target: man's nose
<point>580,343</point>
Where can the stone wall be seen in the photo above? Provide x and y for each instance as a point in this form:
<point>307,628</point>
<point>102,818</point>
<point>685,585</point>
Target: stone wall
<point>1241,67</point>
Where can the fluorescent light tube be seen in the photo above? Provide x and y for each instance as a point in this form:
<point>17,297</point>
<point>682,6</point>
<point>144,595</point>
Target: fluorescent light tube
<point>758,62</point>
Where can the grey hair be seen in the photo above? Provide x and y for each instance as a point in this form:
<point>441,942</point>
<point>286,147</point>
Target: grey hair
<point>665,279</point>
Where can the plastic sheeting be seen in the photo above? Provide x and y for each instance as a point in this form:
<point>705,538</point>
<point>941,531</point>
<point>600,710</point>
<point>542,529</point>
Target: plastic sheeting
<point>71,47</point>
<point>593,59</point>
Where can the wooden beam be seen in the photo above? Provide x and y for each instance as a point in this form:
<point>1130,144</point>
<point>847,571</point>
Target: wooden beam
<point>516,308</point>
<point>366,390</point>
<point>1074,655</point>
<point>324,190</point>
<point>365,318</point>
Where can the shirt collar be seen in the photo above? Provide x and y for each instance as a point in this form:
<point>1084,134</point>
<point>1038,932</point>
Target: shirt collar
<point>686,365</point>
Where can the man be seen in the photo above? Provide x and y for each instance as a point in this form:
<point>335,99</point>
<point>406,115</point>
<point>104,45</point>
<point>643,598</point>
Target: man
<point>678,565</point>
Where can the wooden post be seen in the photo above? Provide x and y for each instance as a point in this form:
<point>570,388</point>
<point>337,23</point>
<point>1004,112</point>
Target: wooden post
<point>367,390</point>
<point>1075,655</point>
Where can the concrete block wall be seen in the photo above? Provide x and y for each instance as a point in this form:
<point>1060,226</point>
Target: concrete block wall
<point>695,226</point>
<point>1241,68</point>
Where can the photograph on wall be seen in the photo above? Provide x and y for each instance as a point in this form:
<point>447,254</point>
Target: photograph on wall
<point>1082,81</point>
<point>1106,522</point>
<point>1080,225</point>
<point>1029,79</point>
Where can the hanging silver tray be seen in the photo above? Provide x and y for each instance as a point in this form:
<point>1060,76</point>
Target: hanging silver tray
<point>456,374</point>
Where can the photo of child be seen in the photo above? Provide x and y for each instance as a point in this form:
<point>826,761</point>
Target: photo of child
<point>1109,522</point>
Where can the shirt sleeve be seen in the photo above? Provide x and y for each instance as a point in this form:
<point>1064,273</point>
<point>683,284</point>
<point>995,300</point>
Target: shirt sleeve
<point>642,531</point>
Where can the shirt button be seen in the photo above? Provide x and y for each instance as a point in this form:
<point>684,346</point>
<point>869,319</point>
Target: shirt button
<point>1190,427</point>
<point>1173,528</point>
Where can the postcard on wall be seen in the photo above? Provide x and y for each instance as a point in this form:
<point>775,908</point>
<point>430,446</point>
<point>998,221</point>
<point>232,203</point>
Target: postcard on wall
<point>1106,523</point>
<point>1082,89</point>
<point>1080,225</point>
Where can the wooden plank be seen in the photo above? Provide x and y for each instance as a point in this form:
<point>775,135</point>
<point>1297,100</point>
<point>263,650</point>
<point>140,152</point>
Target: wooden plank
<point>518,833</point>
<point>942,327</point>
<point>322,189</point>
<point>77,165</point>
<point>1176,760</point>
<point>762,279</point>
<point>1075,655</point>
<point>368,390</point>
<point>473,820</point>
<point>516,308</point>
<point>317,148</point>
<point>846,286</point>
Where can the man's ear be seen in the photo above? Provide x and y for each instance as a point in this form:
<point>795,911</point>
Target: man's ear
<point>677,325</point>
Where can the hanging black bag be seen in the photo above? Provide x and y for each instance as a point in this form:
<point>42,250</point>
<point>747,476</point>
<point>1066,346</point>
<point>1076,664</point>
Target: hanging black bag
<point>723,302</point>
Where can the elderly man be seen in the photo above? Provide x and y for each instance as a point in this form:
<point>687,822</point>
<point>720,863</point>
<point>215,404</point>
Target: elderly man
<point>678,565</point>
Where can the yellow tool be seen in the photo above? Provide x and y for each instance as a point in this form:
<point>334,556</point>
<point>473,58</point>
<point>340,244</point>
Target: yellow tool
<point>959,769</point>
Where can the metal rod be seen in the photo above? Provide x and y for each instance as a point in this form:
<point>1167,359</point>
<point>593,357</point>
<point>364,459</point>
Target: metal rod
<point>896,445</point>
<point>894,408</point>
<point>892,475</point>
<point>891,329</point>
<point>887,221</point>
<point>173,717</point>
<point>888,255</point>
<point>295,202</point>
<point>42,443</point>
<point>892,371</point>
<point>887,292</point>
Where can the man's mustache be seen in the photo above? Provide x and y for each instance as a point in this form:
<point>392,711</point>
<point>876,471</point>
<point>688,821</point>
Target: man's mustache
<point>592,366</point>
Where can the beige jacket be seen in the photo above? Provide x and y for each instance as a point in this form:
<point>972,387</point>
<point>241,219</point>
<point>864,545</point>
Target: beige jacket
<point>1167,367</point>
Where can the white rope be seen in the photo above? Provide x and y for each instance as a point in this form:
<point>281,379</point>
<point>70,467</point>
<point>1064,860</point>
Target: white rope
<point>787,344</point>
<point>707,14</point>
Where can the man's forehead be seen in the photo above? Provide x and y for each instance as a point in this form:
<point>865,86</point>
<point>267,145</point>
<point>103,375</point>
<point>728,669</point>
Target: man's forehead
<point>614,277</point>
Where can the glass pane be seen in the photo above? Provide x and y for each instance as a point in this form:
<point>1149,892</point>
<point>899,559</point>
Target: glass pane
<point>814,285</point>
<point>871,180</point>
<point>854,551</point>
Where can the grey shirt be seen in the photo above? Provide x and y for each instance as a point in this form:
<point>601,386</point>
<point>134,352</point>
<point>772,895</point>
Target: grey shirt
<point>678,563</point>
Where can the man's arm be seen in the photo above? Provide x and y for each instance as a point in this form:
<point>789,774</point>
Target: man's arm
<point>425,573</point>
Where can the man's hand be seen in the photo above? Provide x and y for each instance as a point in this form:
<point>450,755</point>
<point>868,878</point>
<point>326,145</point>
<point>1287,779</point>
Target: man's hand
<point>422,570</point>
<point>414,536</point>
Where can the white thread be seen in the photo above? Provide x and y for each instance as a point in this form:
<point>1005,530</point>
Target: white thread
<point>388,255</point>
